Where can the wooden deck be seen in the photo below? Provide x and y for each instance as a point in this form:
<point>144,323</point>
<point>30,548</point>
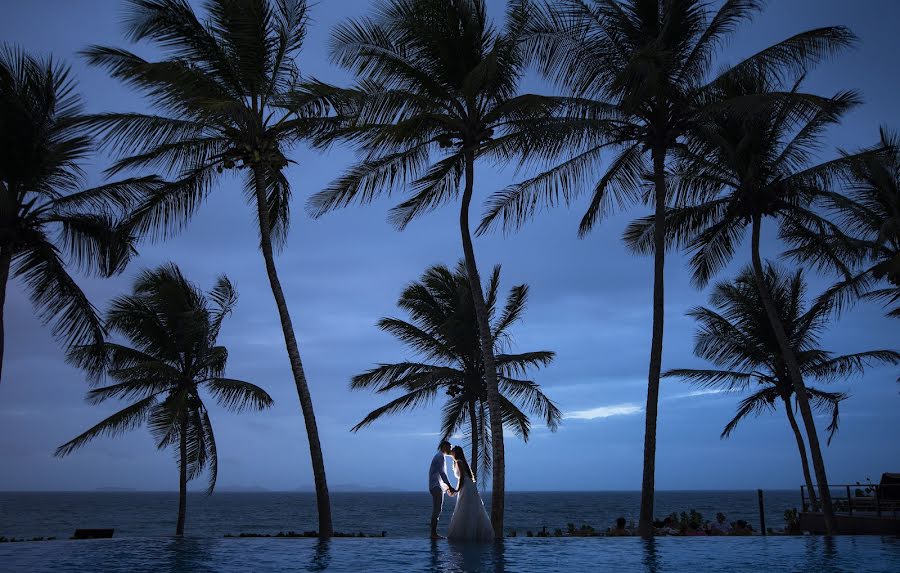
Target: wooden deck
<point>859,509</point>
<point>859,523</point>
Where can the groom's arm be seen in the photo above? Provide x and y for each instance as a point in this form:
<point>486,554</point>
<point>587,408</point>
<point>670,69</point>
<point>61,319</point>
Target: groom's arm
<point>444,477</point>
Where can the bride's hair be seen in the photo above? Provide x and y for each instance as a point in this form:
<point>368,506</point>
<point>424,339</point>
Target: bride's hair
<point>461,462</point>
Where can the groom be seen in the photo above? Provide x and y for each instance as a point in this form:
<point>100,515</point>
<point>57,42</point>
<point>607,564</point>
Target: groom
<point>437,483</point>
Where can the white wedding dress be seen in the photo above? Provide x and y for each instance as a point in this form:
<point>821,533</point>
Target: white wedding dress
<point>470,521</point>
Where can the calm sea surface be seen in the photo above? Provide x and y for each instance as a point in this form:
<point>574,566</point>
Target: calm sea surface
<point>144,523</point>
<point>403,515</point>
<point>520,555</point>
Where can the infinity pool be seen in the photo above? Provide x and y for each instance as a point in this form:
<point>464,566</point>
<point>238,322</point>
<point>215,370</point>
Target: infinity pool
<point>758,554</point>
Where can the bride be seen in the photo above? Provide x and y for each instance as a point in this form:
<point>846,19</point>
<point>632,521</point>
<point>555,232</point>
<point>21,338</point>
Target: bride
<point>470,522</point>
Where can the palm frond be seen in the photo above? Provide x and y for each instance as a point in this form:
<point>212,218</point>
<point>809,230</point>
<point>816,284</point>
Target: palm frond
<point>753,405</point>
<point>531,400</point>
<point>841,367</point>
<point>622,184</point>
<point>726,380</point>
<point>209,439</point>
<point>512,207</point>
<point>57,299</point>
<point>169,207</point>
<point>122,421</point>
<point>831,402</point>
<point>409,401</point>
<point>365,181</point>
<point>797,54</point>
<point>95,242</point>
<point>515,419</point>
<point>224,296</point>
<point>238,395</point>
<point>512,311</point>
<point>439,185</point>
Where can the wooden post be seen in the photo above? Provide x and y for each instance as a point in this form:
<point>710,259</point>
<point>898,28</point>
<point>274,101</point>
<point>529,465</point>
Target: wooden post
<point>849,502</point>
<point>877,502</point>
<point>762,512</point>
<point>803,498</point>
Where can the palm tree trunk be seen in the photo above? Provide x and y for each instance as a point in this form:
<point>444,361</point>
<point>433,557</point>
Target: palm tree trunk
<point>482,438</point>
<point>5,261</point>
<point>182,478</point>
<point>473,421</point>
<point>309,417</point>
<point>487,351</point>
<point>796,379</point>
<point>814,502</point>
<point>645,521</point>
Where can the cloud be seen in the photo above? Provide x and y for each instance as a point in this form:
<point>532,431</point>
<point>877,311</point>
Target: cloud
<point>604,412</point>
<point>696,393</point>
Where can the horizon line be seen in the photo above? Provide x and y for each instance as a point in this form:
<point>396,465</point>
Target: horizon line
<point>373,490</point>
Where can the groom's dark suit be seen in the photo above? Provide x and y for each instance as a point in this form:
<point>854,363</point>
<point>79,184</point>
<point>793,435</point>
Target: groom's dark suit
<point>437,483</point>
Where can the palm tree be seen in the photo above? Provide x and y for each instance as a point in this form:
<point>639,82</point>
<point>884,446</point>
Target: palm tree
<point>172,327</point>
<point>443,330</point>
<point>48,221</point>
<point>865,247</point>
<point>437,91</point>
<point>744,165</point>
<point>228,99</point>
<point>736,336</point>
<point>647,64</point>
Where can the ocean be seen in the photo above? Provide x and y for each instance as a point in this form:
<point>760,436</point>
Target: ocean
<point>801,554</point>
<point>399,515</point>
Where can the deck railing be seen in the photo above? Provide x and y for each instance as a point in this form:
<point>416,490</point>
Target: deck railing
<point>860,498</point>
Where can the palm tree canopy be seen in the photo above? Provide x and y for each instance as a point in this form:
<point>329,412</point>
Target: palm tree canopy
<point>648,64</point>
<point>864,246</point>
<point>227,95</point>
<point>48,220</point>
<point>736,337</point>
<point>755,162</point>
<point>437,80</point>
<point>172,328</point>
<point>442,331</point>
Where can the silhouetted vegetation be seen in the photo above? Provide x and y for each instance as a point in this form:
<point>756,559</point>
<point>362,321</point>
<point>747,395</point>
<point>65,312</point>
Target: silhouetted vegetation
<point>863,247</point>
<point>173,328</point>
<point>306,534</point>
<point>643,115</point>
<point>228,98</point>
<point>437,91</point>
<point>745,165</point>
<point>49,222</point>
<point>443,331</point>
<point>646,69</point>
<point>737,336</point>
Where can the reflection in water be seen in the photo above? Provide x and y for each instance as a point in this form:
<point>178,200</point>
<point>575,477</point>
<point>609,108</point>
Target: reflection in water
<point>823,553</point>
<point>435,556</point>
<point>321,557</point>
<point>189,554</point>
<point>650,555</point>
<point>633,555</point>
<point>458,557</point>
<point>464,556</point>
<point>830,551</point>
<point>499,556</point>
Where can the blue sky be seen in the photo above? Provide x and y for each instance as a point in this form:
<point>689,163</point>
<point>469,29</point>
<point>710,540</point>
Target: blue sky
<point>590,302</point>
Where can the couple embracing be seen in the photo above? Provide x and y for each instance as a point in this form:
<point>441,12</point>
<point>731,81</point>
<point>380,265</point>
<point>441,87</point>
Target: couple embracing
<point>470,522</point>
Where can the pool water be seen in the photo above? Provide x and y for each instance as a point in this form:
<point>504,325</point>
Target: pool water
<point>574,555</point>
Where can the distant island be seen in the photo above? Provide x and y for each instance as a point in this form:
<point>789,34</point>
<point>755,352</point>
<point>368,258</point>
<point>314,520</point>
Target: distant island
<point>238,488</point>
<point>242,488</point>
<point>352,487</point>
